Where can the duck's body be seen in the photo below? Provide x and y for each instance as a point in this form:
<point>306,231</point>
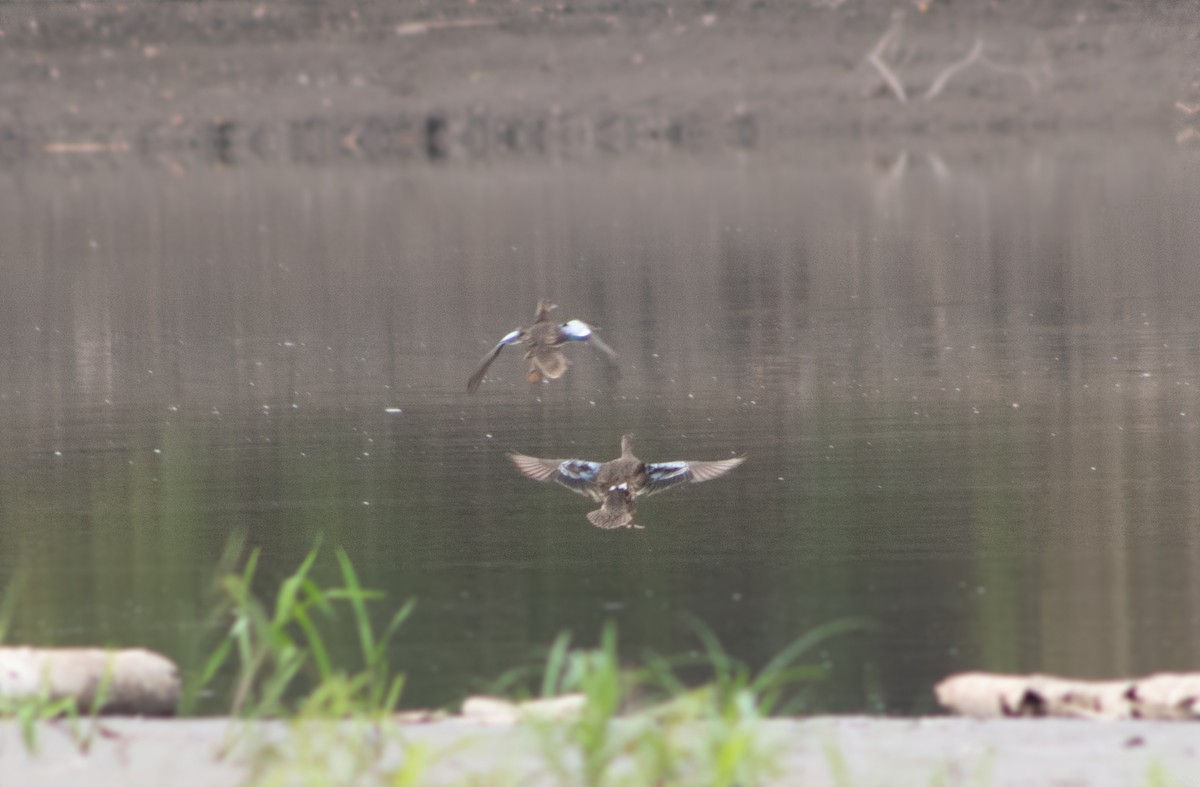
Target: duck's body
<point>543,338</point>
<point>616,484</point>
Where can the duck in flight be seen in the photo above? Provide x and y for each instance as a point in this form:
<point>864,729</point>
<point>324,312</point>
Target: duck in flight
<point>616,484</point>
<point>543,338</point>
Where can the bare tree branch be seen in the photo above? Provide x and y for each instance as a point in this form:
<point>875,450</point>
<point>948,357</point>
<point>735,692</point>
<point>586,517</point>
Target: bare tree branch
<point>875,58</point>
<point>939,84</point>
<point>1030,73</point>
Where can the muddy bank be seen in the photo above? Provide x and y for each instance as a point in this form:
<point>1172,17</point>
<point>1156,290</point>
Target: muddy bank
<point>815,752</point>
<point>182,83</point>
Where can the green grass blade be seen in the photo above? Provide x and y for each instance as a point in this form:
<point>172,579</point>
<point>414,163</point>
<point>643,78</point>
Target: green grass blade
<point>555,664</point>
<point>775,667</point>
<point>362,620</point>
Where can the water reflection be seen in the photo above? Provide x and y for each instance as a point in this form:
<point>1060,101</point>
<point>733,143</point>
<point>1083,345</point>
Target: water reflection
<point>968,390</point>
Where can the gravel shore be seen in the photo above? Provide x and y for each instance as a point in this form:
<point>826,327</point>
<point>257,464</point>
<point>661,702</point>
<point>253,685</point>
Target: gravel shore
<point>818,751</point>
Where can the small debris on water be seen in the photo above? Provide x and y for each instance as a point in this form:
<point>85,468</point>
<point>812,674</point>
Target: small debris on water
<point>392,410</point>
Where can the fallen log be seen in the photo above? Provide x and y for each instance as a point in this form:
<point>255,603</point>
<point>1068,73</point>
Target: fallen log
<point>496,710</point>
<point>1164,696</point>
<point>132,681</point>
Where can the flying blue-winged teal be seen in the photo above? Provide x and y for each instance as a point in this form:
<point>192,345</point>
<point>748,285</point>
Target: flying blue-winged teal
<point>618,483</point>
<point>544,338</point>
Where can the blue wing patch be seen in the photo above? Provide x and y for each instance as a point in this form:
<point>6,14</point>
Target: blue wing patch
<point>661,475</point>
<point>578,472</point>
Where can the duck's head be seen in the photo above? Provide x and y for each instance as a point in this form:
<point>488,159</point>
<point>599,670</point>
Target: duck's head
<point>627,444</point>
<point>544,308</point>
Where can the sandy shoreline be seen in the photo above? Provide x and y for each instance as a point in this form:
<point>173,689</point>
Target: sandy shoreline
<point>815,751</point>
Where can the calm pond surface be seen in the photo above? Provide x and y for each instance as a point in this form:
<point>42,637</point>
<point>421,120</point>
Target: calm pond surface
<point>969,391</point>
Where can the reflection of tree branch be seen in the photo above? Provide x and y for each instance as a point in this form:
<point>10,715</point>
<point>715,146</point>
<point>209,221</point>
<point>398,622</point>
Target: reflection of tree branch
<point>875,58</point>
<point>940,83</point>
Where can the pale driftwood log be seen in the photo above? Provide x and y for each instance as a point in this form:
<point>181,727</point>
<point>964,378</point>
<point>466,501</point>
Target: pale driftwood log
<point>132,681</point>
<point>1164,696</point>
<point>494,710</point>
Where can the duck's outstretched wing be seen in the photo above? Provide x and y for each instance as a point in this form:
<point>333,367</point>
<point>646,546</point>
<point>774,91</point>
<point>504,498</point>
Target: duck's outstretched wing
<point>477,378</point>
<point>578,475</point>
<point>580,331</point>
<point>664,475</point>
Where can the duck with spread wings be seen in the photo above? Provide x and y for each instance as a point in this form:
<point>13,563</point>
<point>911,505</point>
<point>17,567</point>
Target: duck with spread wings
<point>618,483</point>
<point>543,338</point>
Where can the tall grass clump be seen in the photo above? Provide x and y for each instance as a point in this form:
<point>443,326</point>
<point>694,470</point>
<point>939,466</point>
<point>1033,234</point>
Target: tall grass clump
<point>278,649</point>
<point>649,726</point>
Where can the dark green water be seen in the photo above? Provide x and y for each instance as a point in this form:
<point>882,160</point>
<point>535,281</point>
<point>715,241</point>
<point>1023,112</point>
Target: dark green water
<point>969,392</point>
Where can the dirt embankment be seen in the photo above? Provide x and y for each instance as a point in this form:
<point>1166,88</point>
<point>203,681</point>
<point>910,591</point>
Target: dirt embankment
<point>339,82</point>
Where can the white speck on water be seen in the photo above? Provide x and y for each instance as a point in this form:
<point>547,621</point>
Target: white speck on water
<point>366,453</point>
<point>158,451</point>
<point>780,478</point>
<point>214,411</point>
<point>1093,468</point>
<point>488,436</point>
<point>691,396</point>
<point>366,502</point>
<point>392,410</point>
<point>1016,405</point>
<point>58,453</point>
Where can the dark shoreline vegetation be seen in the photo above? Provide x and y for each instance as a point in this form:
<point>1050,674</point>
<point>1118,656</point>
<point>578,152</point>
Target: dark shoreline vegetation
<point>671,720</point>
<point>339,83</point>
